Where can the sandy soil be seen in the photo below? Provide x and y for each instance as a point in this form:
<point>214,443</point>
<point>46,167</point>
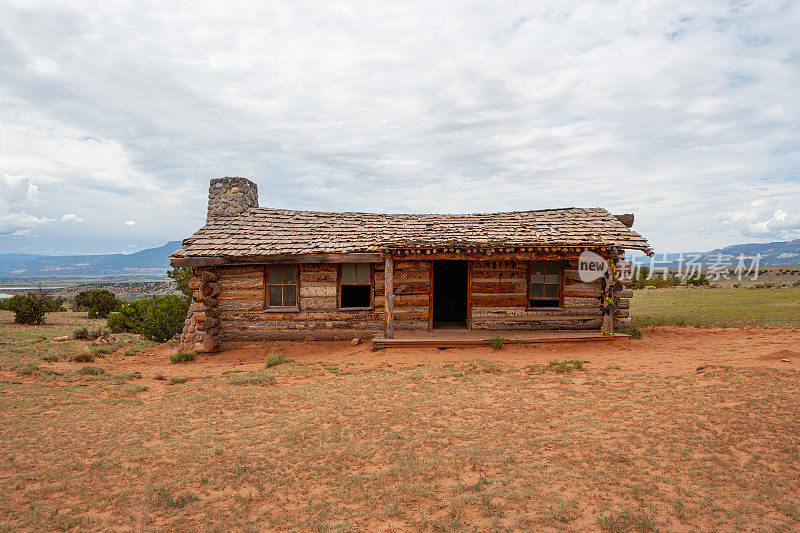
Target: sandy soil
<point>685,429</point>
<point>663,351</point>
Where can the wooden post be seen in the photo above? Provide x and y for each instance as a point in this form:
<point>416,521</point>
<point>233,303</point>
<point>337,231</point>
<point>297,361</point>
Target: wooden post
<point>608,298</point>
<point>388,284</point>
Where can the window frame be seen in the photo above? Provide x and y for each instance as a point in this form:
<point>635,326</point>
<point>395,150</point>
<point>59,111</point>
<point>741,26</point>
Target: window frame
<point>339,288</point>
<point>265,304</point>
<point>560,298</point>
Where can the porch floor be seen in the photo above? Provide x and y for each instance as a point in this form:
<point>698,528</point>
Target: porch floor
<point>452,338</point>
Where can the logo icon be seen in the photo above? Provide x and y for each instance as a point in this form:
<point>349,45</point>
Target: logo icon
<point>591,266</point>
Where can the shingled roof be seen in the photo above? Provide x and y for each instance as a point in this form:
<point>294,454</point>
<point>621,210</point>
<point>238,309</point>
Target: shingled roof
<point>264,232</point>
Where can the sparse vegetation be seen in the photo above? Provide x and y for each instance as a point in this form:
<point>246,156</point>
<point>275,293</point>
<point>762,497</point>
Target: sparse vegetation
<point>627,519</point>
<point>87,357</point>
<point>87,333</point>
<point>177,380</point>
<point>635,333</point>
<point>181,357</point>
<point>50,358</point>
<point>275,360</point>
<point>91,370</point>
<point>497,342</point>
<point>559,367</point>
<point>252,378</point>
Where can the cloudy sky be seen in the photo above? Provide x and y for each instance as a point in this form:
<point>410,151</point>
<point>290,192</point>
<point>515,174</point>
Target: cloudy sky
<point>113,118</point>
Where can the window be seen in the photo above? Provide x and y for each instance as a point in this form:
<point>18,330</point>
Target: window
<point>281,286</point>
<point>355,285</point>
<point>544,284</point>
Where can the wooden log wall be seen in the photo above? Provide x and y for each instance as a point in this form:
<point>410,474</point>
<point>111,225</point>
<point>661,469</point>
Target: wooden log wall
<point>412,289</point>
<point>499,299</point>
<point>233,298</point>
<point>243,318</point>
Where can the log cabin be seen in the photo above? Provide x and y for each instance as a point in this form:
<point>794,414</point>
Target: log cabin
<point>264,274</point>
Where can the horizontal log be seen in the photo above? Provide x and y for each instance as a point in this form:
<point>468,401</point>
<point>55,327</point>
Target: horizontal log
<point>573,302</point>
<point>498,287</point>
<point>300,317</point>
<point>581,293</point>
<point>317,303</point>
<point>487,312</point>
<point>242,294</point>
<point>621,313</point>
<point>575,285</point>
<point>197,261</point>
<point>312,291</point>
<point>252,270</point>
<point>254,304</point>
<point>624,293</point>
<point>622,322</point>
<point>495,256</point>
<point>482,324</point>
<point>412,288</point>
<point>317,277</point>
<point>318,267</point>
<point>309,258</point>
<point>500,275</point>
<point>498,300</point>
<point>233,283</point>
<point>623,303</point>
<point>405,300</point>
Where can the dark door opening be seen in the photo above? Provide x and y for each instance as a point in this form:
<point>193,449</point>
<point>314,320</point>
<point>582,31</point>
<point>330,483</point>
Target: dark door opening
<point>450,286</point>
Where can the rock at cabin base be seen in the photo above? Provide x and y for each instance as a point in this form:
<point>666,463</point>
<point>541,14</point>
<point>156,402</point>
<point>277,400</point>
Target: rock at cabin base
<point>355,342</point>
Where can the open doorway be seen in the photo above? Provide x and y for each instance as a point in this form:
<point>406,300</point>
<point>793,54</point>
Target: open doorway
<point>450,287</point>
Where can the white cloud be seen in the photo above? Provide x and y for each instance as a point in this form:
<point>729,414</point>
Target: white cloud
<point>130,223</point>
<point>71,217</point>
<point>682,112</point>
<point>765,217</point>
<point>17,193</point>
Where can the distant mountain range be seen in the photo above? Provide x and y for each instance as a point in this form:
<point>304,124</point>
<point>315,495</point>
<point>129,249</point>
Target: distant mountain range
<point>772,253</point>
<point>152,261</point>
<point>155,261</point>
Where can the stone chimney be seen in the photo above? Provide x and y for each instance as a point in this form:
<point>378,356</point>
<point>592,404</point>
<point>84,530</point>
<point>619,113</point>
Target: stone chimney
<point>231,196</point>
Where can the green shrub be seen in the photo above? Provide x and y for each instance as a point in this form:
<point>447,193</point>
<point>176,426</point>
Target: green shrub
<point>634,333</point>
<point>165,318</point>
<point>31,308</point>
<point>175,381</point>
<point>181,357</point>
<point>160,377</point>
<point>275,360</point>
<point>91,370</point>
<point>158,318</point>
<point>182,276</point>
<point>50,358</point>
<point>698,280</point>
<point>497,342</point>
<point>98,302</point>
<point>252,378</point>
